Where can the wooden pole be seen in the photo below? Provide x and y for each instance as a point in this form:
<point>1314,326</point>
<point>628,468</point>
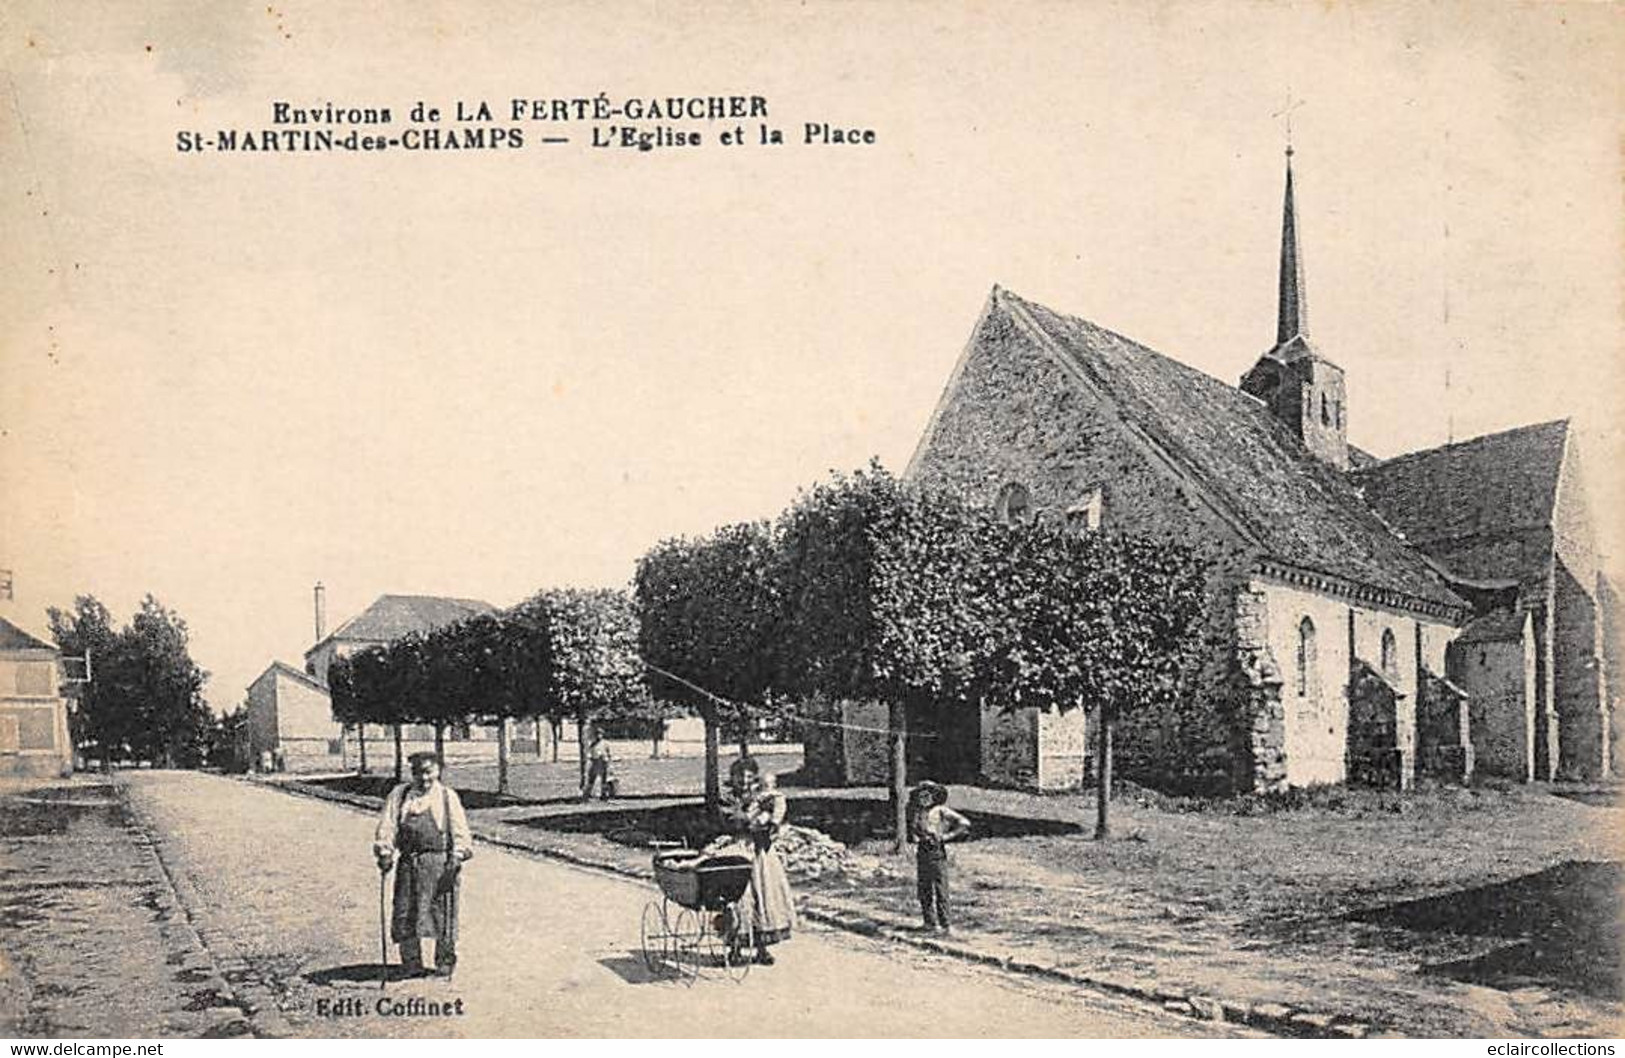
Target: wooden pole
<point>713,782</point>
<point>1103,775</point>
<point>898,737</point>
<point>581,750</point>
<point>502,755</point>
<point>400,754</point>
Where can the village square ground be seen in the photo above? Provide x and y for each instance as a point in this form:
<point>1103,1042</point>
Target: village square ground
<point>1485,911</point>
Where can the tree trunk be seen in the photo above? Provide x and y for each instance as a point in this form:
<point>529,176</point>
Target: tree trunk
<point>400,754</point>
<point>659,733</point>
<point>581,749</point>
<point>713,782</point>
<point>555,727</point>
<point>502,755</point>
<point>1103,775</point>
<point>538,738</point>
<point>361,741</point>
<point>440,741</point>
<point>898,738</point>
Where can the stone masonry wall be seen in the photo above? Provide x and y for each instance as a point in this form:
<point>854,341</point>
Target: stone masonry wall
<point>1498,676</point>
<point>1015,415</point>
<point>1578,679</point>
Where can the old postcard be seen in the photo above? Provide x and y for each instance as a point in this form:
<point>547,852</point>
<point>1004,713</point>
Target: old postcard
<point>822,520</point>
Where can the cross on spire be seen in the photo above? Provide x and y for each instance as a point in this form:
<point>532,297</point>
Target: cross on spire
<point>1286,112</point>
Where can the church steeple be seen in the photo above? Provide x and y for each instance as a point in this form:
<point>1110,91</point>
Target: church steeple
<point>1302,388</point>
<point>1292,318</point>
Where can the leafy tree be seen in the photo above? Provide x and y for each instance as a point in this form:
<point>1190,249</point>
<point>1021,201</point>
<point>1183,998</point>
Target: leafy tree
<point>926,603</point>
<point>593,640</point>
<point>1100,621</point>
<point>99,717</point>
<point>708,613</point>
<point>891,595</point>
<point>145,700</point>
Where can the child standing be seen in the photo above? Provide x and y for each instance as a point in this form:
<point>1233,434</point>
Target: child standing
<point>935,824</point>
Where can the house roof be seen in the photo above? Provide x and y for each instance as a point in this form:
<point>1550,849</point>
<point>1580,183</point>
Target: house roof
<point>14,638</point>
<point>394,616</point>
<point>1498,483</point>
<point>1298,510</point>
<point>289,671</point>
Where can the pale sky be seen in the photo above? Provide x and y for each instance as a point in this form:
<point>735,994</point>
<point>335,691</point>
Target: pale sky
<point>479,374</point>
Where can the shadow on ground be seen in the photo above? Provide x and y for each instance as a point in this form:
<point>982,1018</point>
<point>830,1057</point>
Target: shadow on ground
<point>847,820</point>
<point>46,810</point>
<point>361,973</point>
<point>1564,922</point>
<point>473,800</point>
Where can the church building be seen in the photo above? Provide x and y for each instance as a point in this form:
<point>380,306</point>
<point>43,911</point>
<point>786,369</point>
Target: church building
<point>1373,619</point>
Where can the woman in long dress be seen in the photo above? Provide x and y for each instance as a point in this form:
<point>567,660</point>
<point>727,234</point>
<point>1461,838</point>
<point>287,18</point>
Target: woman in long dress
<point>773,909</point>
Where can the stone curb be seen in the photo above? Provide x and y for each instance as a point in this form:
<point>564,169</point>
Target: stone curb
<point>227,972</point>
<point>1277,1019</point>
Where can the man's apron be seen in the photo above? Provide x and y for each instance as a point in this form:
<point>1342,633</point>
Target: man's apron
<point>425,891</point>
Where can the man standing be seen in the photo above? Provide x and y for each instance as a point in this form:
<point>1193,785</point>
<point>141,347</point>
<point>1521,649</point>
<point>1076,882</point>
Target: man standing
<point>598,758</point>
<point>935,824</point>
<point>423,826</point>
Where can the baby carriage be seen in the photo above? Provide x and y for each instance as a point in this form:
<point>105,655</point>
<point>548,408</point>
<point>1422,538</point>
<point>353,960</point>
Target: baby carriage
<point>702,917</point>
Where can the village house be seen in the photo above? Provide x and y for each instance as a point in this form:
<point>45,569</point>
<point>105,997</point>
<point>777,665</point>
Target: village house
<point>1371,619</point>
<point>290,723</point>
<point>34,738</point>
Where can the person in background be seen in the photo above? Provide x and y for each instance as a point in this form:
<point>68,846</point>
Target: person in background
<point>598,758</point>
<point>743,775</point>
<point>934,825</point>
<point>424,831</point>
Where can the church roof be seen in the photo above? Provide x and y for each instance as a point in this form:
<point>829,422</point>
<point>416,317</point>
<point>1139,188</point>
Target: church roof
<point>1495,484</point>
<point>1299,511</point>
<point>394,616</point>
<point>1493,627</point>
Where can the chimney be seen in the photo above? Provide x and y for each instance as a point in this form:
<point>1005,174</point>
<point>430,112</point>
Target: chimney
<point>321,611</point>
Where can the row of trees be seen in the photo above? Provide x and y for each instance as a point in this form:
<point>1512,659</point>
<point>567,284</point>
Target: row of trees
<point>145,702</point>
<point>560,656</point>
<point>867,590</point>
<point>862,590</point>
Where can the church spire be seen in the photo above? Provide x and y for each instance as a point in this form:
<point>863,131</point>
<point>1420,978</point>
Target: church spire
<point>1301,388</point>
<point>1292,319</point>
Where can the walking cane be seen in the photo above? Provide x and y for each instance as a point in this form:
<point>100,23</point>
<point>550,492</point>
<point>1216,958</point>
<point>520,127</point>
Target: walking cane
<point>383,932</point>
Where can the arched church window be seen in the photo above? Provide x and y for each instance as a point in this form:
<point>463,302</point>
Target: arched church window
<point>1015,504</point>
<point>1325,410</point>
<point>1390,654</point>
<point>1337,413</point>
<point>1306,657</point>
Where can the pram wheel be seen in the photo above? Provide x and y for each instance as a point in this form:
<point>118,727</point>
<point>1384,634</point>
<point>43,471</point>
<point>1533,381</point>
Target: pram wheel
<point>736,941</point>
<point>656,938</point>
<point>687,932</point>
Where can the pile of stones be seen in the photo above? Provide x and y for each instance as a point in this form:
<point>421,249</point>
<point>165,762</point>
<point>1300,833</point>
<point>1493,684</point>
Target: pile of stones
<point>809,853</point>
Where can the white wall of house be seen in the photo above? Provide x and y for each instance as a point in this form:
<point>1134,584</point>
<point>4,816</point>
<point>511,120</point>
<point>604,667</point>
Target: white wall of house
<point>34,739</point>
